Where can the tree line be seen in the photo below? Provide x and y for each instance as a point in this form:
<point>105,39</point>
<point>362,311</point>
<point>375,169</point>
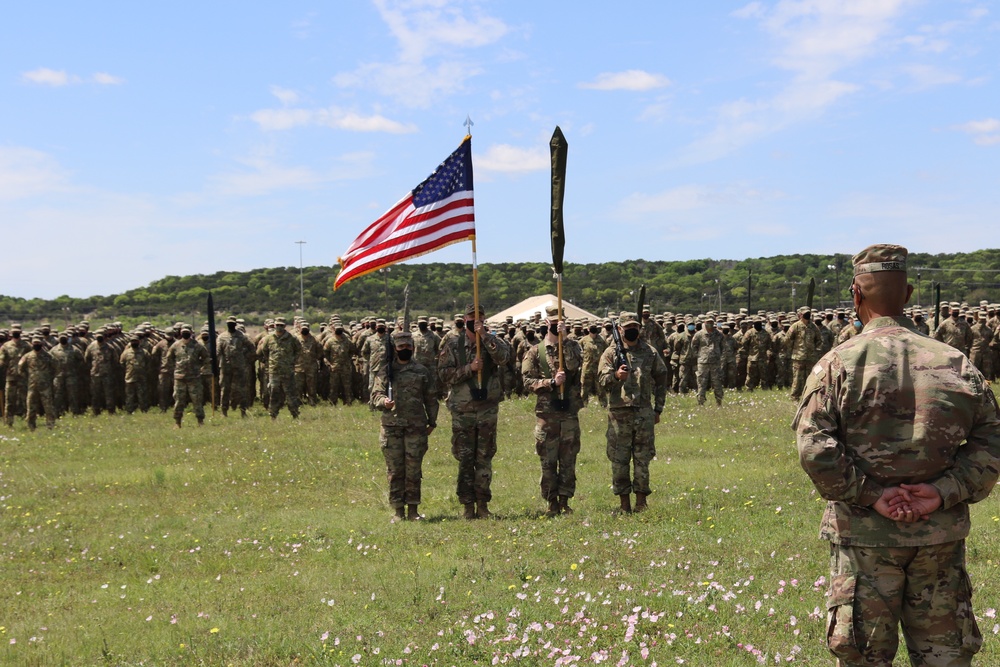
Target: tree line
<point>778,283</point>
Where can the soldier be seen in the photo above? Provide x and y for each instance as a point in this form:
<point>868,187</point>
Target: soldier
<point>307,366</point>
<point>187,357</point>
<point>99,357</point>
<point>801,343</point>
<point>134,360</point>
<point>728,357</point>
<point>262,379</point>
<point>652,332</point>
<point>426,345</point>
<point>956,332</point>
<point>636,394</point>
<point>687,364</point>
<point>207,377</point>
<point>980,353</point>
<point>838,324</point>
<point>66,385</point>
<point>338,355</point>
<point>756,345</point>
<point>706,348</point>
<point>741,355</point>
<point>37,370</point>
<point>15,387</point>
<point>474,400</point>
<point>372,357</point>
<point>556,385</point>
<point>898,497</point>
<point>280,352</point>
<point>409,406</point>
<point>593,346</point>
<point>235,353</point>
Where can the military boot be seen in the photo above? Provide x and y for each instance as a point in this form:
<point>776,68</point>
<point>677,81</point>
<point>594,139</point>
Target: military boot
<point>564,505</point>
<point>412,514</point>
<point>640,502</point>
<point>177,421</point>
<point>483,511</point>
<point>398,516</point>
<point>626,504</point>
<point>553,509</point>
<point>470,511</point>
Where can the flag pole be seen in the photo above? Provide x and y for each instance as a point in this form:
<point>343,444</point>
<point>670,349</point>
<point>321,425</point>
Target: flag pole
<point>557,150</point>
<point>475,306</point>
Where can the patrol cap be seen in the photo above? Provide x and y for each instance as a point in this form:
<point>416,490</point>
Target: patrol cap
<point>15,327</point>
<point>470,309</point>
<point>509,319</point>
<point>880,257</point>
<point>402,337</point>
<point>628,318</point>
<point>231,318</point>
<point>551,311</point>
<point>645,308</point>
<point>279,322</point>
<point>305,326</point>
<point>422,318</point>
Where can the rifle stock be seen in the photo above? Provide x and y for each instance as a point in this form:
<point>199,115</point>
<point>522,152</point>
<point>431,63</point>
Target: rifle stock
<point>621,358</point>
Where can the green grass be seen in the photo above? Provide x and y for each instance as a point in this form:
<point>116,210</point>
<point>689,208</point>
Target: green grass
<point>247,542</point>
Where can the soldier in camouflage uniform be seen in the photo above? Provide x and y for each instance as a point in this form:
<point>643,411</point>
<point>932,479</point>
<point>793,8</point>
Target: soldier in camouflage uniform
<point>99,358</point>
<point>426,345</point>
<point>338,355</point>
<point>280,351</point>
<point>15,387</point>
<point>593,346</point>
<point>651,331</point>
<point>687,364</point>
<point>706,348</point>
<point>756,344</point>
<point>187,357</point>
<point>66,385</point>
<point>165,372</point>
<point>307,366</point>
<point>372,357</point>
<point>636,394</point>
<point>980,353</point>
<point>955,331</point>
<point>474,400</point>
<point>900,433</point>
<point>558,402</point>
<point>134,360</point>
<point>235,353</point>
<point>37,370</point>
<point>409,407</point>
<point>801,343</point>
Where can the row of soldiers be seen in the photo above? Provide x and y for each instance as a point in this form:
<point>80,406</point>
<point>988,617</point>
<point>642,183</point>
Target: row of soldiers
<point>110,369</point>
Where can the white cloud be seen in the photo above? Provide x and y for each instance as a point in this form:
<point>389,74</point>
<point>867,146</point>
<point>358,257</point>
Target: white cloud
<point>44,76</point>
<point>26,173</point>
<point>512,159</point>
<point>984,132</point>
<point>334,117</point>
<point>48,77</point>
<point>431,36</point>
<point>284,95</point>
<point>633,79</point>
<point>106,79</point>
<point>928,76</point>
<point>261,175</point>
<point>751,10</point>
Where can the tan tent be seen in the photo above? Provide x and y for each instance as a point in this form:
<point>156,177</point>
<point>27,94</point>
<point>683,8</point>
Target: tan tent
<point>537,304</point>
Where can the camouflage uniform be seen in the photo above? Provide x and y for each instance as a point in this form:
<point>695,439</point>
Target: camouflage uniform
<point>307,366</point>
<point>235,352</point>
<point>557,429</point>
<point>593,347</point>
<point>473,421</point>
<point>37,369</point>
<point>756,344</point>
<point>687,365</point>
<point>14,388</point>
<point>706,348</point>
<point>338,354</point>
<point>955,332</point>
<point>892,407</point>
<point>372,358</point>
<point>980,353</point>
<point>801,343</point>
<point>134,360</point>
<point>187,357</point>
<point>99,358</point>
<point>66,386</point>
<point>634,405</point>
<point>280,351</point>
<point>426,346</point>
<point>165,373</point>
<point>403,436</point>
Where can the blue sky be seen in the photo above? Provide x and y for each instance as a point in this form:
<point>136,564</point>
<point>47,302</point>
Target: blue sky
<point>139,140</point>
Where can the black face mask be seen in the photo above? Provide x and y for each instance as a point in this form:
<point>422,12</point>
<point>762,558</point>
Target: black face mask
<point>554,329</point>
<point>459,324</point>
<point>185,335</point>
<point>542,331</point>
<point>404,354</point>
<point>758,326</point>
<point>607,328</point>
<point>63,340</point>
<point>631,335</point>
<point>338,330</point>
<point>36,346</point>
<point>806,316</point>
<point>422,326</point>
<point>231,326</point>
<point>530,335</point>
<point>15,335</point>
<point>305,332</point>
<point>134,343</point>
<point>380,330</point>
<point>594,330</point>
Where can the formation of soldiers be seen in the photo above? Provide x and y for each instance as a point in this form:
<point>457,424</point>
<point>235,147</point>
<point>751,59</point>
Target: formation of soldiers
<point>109,369</point>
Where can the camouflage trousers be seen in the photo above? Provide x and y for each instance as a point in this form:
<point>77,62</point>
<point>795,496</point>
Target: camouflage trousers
<point>755,374</point>
<point>135,396</point>
<point>102,394</point>
<point>630,441</point>
<point>403,449</point>
<point>281,388</point>
<point>341,386</point>
<point>66,395</point>
<point>235,383</point>
<point>473,444</point>
<point>926,589</point>
<point>166,385</point>
<point>710,376</point>
<point>40,397</point>
<point>589,387</point>
<point>729,374</point>
<point>741,371</point>
<point>983,360</point>
<point>557,443</point>
<point>13,399</point>
<point>688,378</point>
<point>800,371</point>
<point>189,391</point>
<point>305,384</point>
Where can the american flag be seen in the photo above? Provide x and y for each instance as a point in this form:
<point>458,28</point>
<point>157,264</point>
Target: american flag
<point>438,212</point>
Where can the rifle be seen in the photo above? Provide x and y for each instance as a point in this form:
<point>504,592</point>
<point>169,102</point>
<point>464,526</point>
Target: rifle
<point>811,292</point>
<point>621,358</point>
<point>390,352</point>
<point>213,355</point>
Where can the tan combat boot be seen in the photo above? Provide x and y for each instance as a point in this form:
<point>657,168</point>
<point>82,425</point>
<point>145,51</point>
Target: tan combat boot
<point>626,504</point>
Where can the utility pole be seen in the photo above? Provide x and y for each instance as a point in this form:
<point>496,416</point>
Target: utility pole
<point>302,291</point>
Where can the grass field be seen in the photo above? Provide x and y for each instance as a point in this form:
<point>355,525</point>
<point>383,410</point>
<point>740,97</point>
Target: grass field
<point>247,542</point>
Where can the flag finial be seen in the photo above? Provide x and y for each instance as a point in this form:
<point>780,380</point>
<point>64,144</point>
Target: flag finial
<point>468,124</point>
